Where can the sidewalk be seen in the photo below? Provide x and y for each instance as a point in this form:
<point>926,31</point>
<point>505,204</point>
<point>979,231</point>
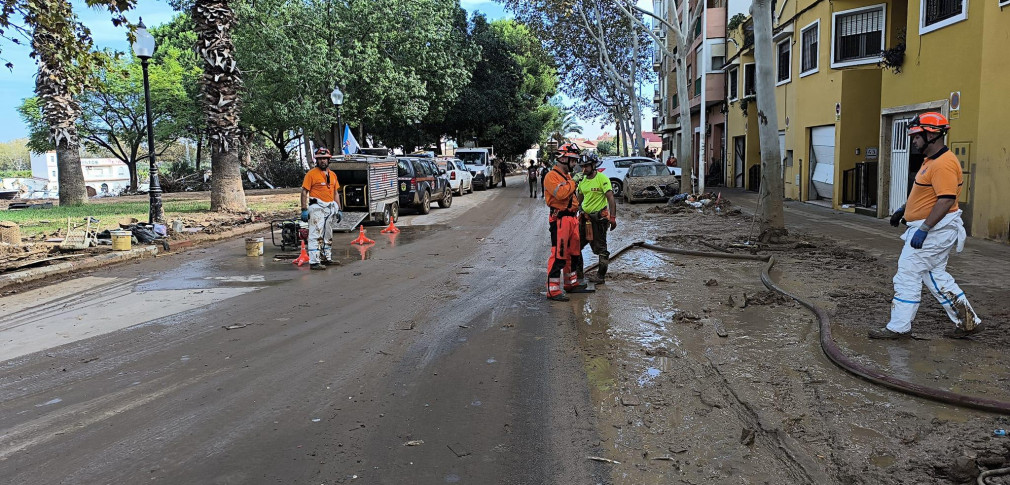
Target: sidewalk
<point>983,266</point>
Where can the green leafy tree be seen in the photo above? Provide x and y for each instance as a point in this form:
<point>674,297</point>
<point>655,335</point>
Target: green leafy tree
<point>113,115</point>
<point>178,38</point>
<point>14,155</point>
<point>606,147</point>
<point>401,61</point>
<point>507,102</point>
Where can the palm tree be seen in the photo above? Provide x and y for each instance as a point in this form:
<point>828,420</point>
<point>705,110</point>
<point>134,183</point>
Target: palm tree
<point>61,76</point>
<point>569,124</point>
<point>222,81</point>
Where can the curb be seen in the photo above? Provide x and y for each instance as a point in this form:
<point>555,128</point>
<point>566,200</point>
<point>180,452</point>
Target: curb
<point>35,274</point>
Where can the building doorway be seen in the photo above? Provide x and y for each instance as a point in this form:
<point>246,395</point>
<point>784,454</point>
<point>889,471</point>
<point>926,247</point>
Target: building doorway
<point>822,163</point>
<point>739,154</point>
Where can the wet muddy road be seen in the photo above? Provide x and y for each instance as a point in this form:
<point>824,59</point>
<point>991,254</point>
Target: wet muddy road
<point>432,357</point>
<point>432,360</point>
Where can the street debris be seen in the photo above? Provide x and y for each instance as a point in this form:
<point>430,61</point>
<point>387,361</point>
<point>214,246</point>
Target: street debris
<point>414,443</point>
<point>236,326</point>
<point>458,450</point>
<point>747,436</point>
<point>604,460</point>
<point>712,282</point>
<point>630,401</point>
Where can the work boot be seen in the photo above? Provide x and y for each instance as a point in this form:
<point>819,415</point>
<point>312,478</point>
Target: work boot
<point>884,333</point>
<point>960,332</point>
<point>967,316</point>
<point>559,297</point>
<point>317,266</point>
<point>597,279</point>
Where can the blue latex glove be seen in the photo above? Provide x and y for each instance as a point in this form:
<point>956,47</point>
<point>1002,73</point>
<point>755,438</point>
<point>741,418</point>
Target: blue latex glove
<point>305,215</point>
<point>918,238</point>
<point>340,215</point>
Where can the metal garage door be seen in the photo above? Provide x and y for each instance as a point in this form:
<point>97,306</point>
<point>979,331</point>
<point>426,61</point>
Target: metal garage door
<point>822,161</point>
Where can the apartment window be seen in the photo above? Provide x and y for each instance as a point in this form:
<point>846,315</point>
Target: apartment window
<point>858,36</point>
<point>690,81</point>
<point>697,87</point>
<point>809,43</point>
<point>784,57</point>
<point>937,14</point>
<point>734,83</point>
<point>749,73</point>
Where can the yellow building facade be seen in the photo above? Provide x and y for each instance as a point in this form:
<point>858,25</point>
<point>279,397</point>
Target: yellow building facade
<point>849,77</point>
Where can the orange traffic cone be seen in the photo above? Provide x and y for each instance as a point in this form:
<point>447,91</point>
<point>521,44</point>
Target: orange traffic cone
<point>362,239</point>
<point>391,229</point>
<point>303,257</point>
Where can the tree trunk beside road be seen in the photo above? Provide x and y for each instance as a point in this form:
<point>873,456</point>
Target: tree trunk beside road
<point>770,216</point>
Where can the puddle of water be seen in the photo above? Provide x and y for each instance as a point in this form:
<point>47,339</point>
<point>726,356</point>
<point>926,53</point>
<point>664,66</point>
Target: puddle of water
<point>882,461</point>
<point>599,374</point>
<point>866,435</point>
<point>49,402</point>
<point>648,376</point>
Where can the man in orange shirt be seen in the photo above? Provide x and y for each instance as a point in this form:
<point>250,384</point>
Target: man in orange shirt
<point>320,209</point>
<point>934,228</point>
<point>566,254</point>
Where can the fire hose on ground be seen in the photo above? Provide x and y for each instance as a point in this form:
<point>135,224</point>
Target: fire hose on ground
<point>828,344</point>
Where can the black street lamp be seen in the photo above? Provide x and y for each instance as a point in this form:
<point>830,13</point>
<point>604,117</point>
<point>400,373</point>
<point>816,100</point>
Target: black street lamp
<point>143,47</point>
<point>337,96</point>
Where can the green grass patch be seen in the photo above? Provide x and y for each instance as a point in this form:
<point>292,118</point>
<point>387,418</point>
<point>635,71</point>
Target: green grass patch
<point>46,221</point>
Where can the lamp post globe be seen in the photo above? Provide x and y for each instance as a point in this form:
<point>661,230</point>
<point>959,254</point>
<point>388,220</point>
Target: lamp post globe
<point>143,47</point>
<point>337,96</point>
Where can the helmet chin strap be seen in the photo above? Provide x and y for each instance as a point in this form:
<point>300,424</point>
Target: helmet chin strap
<point>939,136</point>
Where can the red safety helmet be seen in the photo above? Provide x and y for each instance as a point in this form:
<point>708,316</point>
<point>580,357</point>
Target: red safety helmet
<point>931,122</point>
<point>569,150</point>
<point>323,152</point>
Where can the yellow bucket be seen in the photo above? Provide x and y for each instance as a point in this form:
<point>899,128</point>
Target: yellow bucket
<point>121,240</point>
<point>254,247</point>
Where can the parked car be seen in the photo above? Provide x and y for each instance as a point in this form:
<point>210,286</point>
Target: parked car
<point>460,179</point>
<point>649,181</point>
<point>421,183</point>
<point>615,168</point>
<point>481,164</point>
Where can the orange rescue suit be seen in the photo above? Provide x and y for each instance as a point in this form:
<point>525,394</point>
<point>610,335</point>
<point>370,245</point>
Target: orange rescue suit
<point>566,253</point>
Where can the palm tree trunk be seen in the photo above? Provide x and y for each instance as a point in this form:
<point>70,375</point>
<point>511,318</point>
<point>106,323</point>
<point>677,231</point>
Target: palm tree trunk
<point>54,87</point>
<point>222,81</point>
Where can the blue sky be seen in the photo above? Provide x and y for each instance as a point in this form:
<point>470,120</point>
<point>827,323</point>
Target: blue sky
<point>19,83</point>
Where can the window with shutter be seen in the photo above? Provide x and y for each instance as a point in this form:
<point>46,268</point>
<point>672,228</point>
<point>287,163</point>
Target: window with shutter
<point>858,36</point>
<point>936,14</point>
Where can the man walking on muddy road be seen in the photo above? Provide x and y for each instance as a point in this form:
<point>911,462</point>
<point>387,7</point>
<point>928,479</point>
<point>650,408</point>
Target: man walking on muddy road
<point>320,209</point>
<point>934,229</point>
<point>599,213</point>
<point>559,191</point>
<point>533,174</point>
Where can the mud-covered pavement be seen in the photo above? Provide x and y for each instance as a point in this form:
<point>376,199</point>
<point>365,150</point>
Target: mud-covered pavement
<point>432,357</point>
<point>707,377</point>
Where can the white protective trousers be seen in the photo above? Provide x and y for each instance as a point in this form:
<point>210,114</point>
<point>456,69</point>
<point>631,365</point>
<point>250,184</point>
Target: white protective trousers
<point>928,266</point>
<point>322,217</point>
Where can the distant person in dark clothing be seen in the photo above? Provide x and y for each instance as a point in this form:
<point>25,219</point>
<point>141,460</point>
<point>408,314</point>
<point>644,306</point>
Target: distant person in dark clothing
<point>532,174</point>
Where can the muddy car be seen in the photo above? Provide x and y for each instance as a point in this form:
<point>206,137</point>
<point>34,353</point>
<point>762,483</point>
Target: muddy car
<point>649,181</point>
